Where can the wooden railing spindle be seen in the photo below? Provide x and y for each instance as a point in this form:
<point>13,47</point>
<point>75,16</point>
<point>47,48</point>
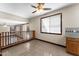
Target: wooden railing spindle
<point>2,37</point>
<point>5,38</point>
<point>0,46</point>
<point>8,38</point>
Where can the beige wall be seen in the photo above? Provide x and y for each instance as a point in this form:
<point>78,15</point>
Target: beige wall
<point>70,18</point>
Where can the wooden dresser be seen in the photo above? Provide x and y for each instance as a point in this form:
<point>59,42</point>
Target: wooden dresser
<point>72,45</point>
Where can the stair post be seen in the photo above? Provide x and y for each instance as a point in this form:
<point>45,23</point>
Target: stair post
<point>0,46</point>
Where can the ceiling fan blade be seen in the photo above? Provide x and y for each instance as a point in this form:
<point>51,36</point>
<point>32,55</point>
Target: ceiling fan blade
<point>47,8</point>
<point>33,6</point>
<point>33,11</point>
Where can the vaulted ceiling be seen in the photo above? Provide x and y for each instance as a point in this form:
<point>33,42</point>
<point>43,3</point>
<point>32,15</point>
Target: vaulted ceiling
<point>25,10</point>
<point>17,13</point>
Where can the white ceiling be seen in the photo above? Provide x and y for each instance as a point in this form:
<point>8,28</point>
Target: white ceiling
<point>25,10</point>
<point>10,22</point>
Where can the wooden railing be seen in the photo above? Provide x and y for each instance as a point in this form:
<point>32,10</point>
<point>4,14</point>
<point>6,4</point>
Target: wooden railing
<point>8,39</point>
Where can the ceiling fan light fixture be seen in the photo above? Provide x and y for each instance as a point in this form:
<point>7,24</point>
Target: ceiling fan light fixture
<point>40,8</point>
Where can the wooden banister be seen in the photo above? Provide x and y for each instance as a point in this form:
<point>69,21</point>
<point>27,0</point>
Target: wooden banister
<point>8,39</point>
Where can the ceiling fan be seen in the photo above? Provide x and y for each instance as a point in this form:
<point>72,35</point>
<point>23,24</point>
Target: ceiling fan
<point>39,7</point>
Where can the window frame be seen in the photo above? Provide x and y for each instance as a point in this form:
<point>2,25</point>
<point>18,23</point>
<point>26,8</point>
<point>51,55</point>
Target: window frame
<point>51,16</point>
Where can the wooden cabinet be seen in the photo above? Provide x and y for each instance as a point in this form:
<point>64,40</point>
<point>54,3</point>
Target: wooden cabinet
<point>72,45</point>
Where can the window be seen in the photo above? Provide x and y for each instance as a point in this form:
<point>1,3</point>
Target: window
<point>51,24</point>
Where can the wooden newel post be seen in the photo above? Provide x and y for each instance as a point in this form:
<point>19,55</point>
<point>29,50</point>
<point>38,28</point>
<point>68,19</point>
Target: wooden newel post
<point>33,34</point>
<point>0,46</point>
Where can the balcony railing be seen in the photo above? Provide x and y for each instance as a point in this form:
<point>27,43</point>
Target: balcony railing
<point>8,39</point>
